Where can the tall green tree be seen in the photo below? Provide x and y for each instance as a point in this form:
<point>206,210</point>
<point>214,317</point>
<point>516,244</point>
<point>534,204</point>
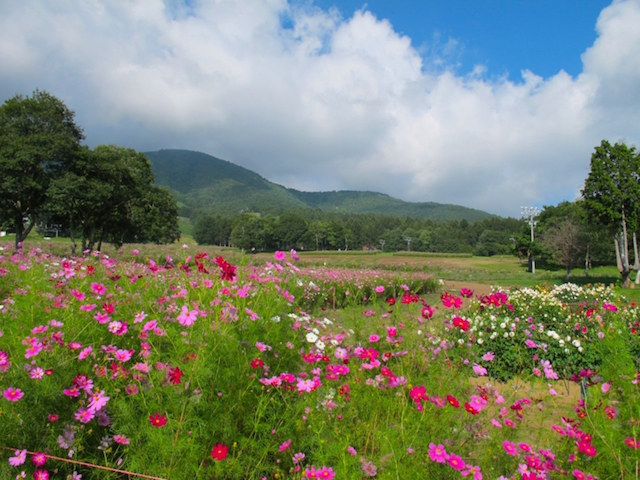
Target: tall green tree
<point>612,198</point>
<point>38,138</point>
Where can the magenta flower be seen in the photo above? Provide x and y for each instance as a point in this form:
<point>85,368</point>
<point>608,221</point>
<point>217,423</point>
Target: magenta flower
<point>379,288</point>
<point>85,352</point>
<point>285,445</point>
<point>41,475</point>
<point>279,256</point>
<point>510,448</point>
<point>472,470</point>
<point>121,439</point>
<point>352,451</point>
<point>456,462</point>
<point>13,394</point>
<point>5,364</point>
<point>437,453</point>
<point>39,459</point>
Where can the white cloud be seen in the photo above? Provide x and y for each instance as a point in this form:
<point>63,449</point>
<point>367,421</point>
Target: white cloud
<point>327,102</point>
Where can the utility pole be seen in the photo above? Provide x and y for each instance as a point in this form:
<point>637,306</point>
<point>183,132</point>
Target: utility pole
<point>530,213</point>
<point>382,242</point>
<point>408,240</point>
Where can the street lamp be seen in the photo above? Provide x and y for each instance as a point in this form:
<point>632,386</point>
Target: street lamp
<point>530,213</point>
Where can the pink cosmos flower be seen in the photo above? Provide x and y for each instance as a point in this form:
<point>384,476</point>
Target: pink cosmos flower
<point>279,256</point>
<point>479,370</point>
<point>98,288</point>
<point>122,355</point>
<point>374,338</point>
<point>36,373</point>
<point>85,353</point>
<point>352,451</point>
<point>18,459</point>
<point>121,439</point>
<point>84,415</point>
<point>294,255</point>
<point>379,289</point>
<point>437,453</point>
<point>102,318</point>
<point>187,317</point>
<point>496,423</point>
<point>98,401</point>
<point>306,385</point>
<point>13,394</point>
<point>488,357</point>
<point>605,387</point>
<point>88,308</point>
<point>509,423</point>
<point>79,295</point>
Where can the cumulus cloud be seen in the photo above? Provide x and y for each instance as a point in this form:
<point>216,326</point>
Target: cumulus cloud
<point>316,101</point>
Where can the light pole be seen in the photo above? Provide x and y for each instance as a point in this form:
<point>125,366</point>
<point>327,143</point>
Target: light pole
<point>530,213</point>
<point>382,242</point>
<point>408,240</point>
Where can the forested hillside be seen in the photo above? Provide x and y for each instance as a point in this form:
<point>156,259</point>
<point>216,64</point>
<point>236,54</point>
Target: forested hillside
<point>207,185</point>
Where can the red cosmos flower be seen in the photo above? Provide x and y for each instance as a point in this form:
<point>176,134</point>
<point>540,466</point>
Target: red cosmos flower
<point>108,308</point>
<point>228,271</point>
<point>461,323</point>
<point>257,363</point>
<point>219,452</point>
<point>453,401</point>
<point>175,374</point>
<point>158,420</point>
<point>391,301</point>
<point>470,409</point>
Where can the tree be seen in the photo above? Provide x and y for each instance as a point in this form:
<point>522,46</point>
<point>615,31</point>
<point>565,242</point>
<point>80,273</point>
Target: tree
<point>612,198</point>
<point>38,137</point>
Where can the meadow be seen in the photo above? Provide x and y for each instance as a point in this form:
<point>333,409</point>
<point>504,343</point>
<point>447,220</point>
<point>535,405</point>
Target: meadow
<point>187,362</point>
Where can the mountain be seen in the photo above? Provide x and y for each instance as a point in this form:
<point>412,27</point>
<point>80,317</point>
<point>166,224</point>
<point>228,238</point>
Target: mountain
<point>206,184</point>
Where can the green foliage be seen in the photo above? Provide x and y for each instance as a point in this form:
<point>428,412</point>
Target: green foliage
<point>612,189</point>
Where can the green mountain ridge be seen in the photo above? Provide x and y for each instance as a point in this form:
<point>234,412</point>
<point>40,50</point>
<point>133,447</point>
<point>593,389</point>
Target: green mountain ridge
<point>204,184</point>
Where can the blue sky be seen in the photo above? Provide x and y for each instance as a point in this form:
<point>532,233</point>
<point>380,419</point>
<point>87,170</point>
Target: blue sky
<point>506,36</point>
<point>483,103</point>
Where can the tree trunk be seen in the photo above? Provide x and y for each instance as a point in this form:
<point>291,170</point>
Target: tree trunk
<point>73,239</point>
<point>566,275</point>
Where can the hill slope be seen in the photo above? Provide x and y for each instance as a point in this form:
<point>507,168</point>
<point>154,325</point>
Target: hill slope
<point>206,184</point>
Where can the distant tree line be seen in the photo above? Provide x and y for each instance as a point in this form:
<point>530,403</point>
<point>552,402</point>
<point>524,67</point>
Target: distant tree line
<point>47,177</point>
<point>320,230</point>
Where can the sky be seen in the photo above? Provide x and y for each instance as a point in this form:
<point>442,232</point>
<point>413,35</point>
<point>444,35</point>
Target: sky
<point>491,105</point>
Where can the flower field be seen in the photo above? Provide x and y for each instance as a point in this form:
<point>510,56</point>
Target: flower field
<point>201,366</point>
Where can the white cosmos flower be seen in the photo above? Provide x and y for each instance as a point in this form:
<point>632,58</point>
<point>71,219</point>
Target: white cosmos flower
<point>312,337</point>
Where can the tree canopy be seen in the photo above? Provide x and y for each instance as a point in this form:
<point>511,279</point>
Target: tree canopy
<point>103,194</point>
<point>38,138</point>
